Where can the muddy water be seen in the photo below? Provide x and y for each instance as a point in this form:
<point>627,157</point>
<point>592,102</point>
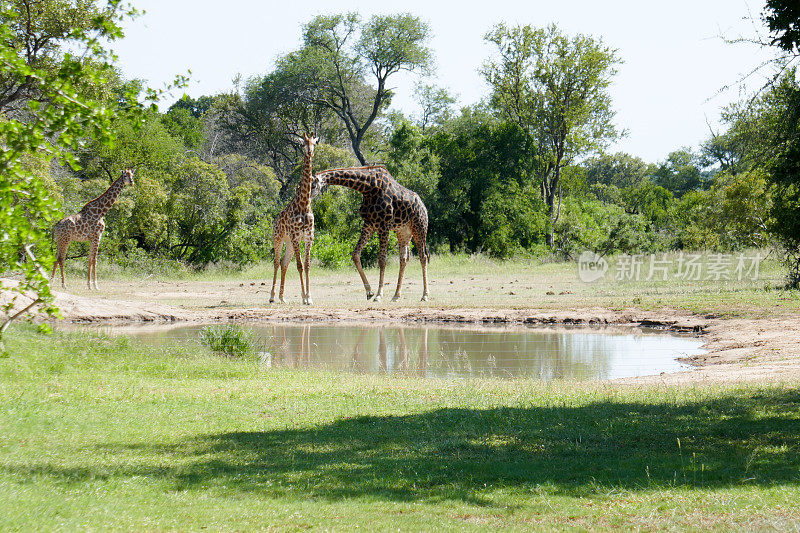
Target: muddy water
<point>447,352</point>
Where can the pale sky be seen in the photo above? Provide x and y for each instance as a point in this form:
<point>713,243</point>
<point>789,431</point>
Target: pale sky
<point>665,95</point>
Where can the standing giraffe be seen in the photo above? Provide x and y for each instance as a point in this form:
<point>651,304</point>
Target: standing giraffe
<point>87,225</point>
<point>295,224</point>
<point>387,206</point>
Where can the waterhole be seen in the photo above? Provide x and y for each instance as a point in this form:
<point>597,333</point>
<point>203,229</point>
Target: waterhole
<point>458,352</point>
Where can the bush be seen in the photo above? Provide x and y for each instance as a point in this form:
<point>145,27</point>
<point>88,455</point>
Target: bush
<point>513,220</point>
<point>335,252</point>
<point>332,252</point>
<point>135,261</point>
<point>603,228</point>
<point>230,340</point>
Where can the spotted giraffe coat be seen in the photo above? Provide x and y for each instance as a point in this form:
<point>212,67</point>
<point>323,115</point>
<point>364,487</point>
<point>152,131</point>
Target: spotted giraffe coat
<point>386,206</point>
<point>87,225</point>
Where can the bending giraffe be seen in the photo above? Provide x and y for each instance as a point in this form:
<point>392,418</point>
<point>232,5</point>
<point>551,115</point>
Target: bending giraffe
<point>295,224</point>
<point>87,225</point>
<point>387,206</point>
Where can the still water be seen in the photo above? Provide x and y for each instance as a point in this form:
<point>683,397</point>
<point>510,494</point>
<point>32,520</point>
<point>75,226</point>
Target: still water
<point>452,352</point>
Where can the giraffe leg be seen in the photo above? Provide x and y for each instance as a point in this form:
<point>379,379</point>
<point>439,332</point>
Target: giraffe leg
<point>287,257</point>
<point>420,240</point>
<point>61,268</point>
<point>62,244</point>
<point>299,260</point>
<point>277,247</point>
<point>403,238</point>
<point>307,268</point>
<point>383,235</point>
<point>55,265</point>
<point>366,233</point>
<point>92,261</point>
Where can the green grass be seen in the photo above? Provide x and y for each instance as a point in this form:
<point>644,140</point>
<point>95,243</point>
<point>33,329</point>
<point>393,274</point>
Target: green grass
<point>105,433</point>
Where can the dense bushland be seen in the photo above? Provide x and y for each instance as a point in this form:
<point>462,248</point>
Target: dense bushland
<point>528,171</point>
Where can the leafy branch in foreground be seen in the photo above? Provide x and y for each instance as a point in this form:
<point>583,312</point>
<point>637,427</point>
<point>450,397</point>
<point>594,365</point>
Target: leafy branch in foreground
<point>55,74</point>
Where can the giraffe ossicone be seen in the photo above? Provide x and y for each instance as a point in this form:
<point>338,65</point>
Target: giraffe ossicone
<point>87,225</point>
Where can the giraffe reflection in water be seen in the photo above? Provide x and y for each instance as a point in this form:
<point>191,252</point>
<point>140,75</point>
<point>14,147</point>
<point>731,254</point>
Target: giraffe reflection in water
<point>377,350</point>
<point>456,353</point>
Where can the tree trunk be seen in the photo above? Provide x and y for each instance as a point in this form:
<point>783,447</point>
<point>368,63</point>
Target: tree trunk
<point>551,217</point>
<point>552,193</point>
<point>356,143</point>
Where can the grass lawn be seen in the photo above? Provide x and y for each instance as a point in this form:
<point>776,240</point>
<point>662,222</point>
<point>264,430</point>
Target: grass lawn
<point>105,433</point>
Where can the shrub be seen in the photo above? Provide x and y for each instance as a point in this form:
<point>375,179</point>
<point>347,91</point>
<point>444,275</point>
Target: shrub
<point>603,228</point>
<point>230,340</point>
<point>332,252</point>
<point>513,220</point>
<point>335,252</point>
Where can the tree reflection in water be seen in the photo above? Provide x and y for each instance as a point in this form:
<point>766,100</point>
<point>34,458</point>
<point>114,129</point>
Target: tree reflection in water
<point>486,352</point>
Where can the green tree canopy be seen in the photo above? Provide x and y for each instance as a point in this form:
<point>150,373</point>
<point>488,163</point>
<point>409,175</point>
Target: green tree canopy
<point>481,158</point>
<point>556,89</point>
<point>680,173</point>
<point>620,169</point>
<point>341,58</point>
<point>783,20</point>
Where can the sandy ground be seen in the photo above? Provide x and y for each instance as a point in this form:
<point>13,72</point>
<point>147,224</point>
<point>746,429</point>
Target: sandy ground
<point>763,350</point>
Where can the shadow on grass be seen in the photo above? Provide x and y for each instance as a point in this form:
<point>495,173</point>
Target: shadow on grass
<point>734,440</point>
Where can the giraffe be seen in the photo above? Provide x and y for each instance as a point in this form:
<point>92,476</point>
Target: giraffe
<point>387,206</point>
<point>87,225</point>
<point>295,224</point>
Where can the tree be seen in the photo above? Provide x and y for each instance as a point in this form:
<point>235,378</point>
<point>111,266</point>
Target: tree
<point>197,107</point>
<point>784,172</point>
<point>556,89</point>
<point>52,62</point>
<point>143,143</point>
<point>620,169</point>
<point>340,53</point>
<point>783,20</point>
<point>483,159</point>
<point>649,200</point>
<point>412,161</point>
<point>435,106</point>
<point>267,122</point>
<point>680,173</point>
<point>38,32</point>
<point>773,118</point>
<point>182,124</point>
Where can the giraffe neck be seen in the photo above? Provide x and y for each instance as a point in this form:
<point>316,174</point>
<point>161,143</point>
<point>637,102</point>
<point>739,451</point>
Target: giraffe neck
<point>302,195</point>
<point>359,179</point>
<point>103,203</point>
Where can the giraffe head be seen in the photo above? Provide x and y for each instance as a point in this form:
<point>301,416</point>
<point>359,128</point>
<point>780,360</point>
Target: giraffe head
<point>309,142</point>
<point>127,176</point>
<point>317,183</point>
